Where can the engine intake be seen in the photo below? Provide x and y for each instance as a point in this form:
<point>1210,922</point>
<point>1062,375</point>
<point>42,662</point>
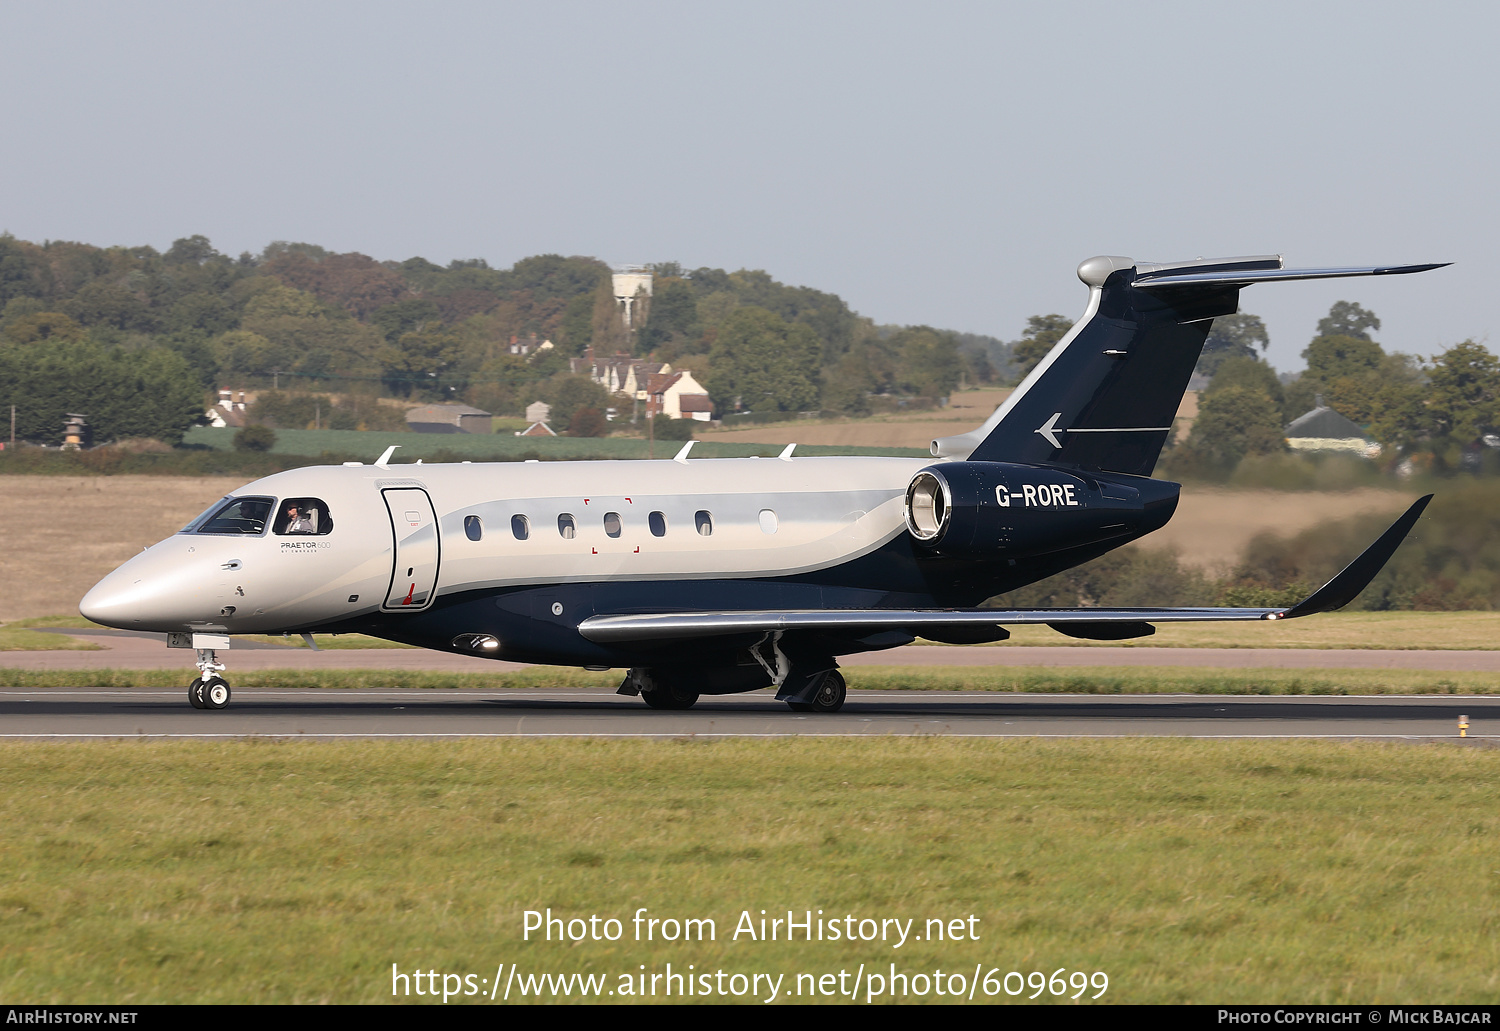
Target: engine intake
<point>927,506</point>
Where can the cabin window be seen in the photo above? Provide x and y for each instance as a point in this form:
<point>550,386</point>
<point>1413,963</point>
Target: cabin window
<point>302,517</point>
<point>658,524</point>
<point>473,528</point>
<point>567,526</point>
<point>767,521</point>
<point>240,516</point>
<point>705,523</point>
<point>520,526</point>
<point>612,523</point>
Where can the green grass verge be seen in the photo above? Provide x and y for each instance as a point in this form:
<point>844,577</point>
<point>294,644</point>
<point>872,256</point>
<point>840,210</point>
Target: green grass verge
<point>17,636</point>
<point>74,622</point>
<point>1188,871</point>
<point>1094,680</point>
<point>1385,631</point>
<point>20,639</point>
<point>1147,680</point>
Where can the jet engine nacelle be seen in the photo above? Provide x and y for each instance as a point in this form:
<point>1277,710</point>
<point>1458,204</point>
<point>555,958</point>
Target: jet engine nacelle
<point>1000,508</point>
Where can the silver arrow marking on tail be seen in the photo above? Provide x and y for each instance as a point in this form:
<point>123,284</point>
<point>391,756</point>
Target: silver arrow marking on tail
<point>1048,429</point>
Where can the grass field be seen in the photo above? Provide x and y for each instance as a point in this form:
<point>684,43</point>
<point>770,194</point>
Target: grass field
<point>20,637</point>
<point>1187,871</point>
<point>1097,680</point>
<point>499,447</point>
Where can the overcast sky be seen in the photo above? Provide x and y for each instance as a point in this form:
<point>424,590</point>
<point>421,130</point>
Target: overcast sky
<point>939,163</point>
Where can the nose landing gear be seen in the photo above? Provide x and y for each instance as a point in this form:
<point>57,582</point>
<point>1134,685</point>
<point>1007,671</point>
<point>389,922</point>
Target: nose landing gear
<point>209,690</point>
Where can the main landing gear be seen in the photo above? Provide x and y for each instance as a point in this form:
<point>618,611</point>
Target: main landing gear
<point>803,689</point>
<point>828,696</point>
<point>658,690</point>
<point>808,683</point>
<point>209,690</point>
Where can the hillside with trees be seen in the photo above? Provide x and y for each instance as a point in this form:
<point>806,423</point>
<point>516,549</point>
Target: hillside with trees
<point>78,322</point>
<point>138,340</point>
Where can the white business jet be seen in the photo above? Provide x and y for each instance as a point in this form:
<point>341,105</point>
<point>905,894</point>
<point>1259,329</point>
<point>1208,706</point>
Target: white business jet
<point>729,575</point>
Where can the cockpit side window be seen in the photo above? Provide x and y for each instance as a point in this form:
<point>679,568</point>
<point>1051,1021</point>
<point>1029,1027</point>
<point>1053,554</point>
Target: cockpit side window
<point>302,517</point>
<point>240,516</point>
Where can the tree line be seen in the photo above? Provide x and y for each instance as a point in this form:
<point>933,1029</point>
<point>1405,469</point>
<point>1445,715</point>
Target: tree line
<point>135,338</point>
<point>301,319</point>
<point>1434,412</point>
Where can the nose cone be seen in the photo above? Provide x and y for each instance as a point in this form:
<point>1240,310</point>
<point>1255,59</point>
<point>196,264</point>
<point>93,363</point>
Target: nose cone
<point>114,601</point>
<point>145,593</point>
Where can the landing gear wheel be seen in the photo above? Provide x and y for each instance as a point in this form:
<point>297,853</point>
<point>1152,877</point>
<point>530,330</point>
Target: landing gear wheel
<point>829,697</point>
<point>831,693</point>
<point>669,699</point>
<point>195,695</point>
<point>215,693</point>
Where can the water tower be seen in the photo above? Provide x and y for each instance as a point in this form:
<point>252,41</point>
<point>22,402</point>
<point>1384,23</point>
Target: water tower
<point>629,280</point>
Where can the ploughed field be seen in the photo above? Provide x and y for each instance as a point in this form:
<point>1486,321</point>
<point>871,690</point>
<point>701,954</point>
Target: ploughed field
<point>64,533</point>
<point>966,410</point>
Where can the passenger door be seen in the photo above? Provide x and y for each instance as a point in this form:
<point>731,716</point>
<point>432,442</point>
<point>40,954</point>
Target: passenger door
<point>414,525</point>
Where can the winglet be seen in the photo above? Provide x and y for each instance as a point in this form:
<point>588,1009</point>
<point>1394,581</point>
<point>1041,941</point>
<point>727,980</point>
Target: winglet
<point>1356,576</point>
<point>682,455</point>
<point>786,453</point>
<point>385,456</point>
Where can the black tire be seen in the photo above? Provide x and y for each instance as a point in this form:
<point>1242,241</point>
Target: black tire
<point>195,695</point>
<point>667,699</point>
<point>215,692</point>
<point>831,693</point>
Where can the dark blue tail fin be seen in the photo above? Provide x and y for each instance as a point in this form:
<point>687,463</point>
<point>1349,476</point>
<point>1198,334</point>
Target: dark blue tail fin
<point>1104,398</point>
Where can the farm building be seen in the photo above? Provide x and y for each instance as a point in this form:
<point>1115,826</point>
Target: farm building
<point>1324,429</point>
<point>449,419</point>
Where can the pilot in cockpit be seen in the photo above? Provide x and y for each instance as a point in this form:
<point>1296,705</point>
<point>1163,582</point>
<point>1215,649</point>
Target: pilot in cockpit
<point>298,521</point>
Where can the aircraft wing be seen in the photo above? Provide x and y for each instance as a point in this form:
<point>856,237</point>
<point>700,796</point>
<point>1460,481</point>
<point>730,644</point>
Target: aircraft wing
<point>1094,623</point>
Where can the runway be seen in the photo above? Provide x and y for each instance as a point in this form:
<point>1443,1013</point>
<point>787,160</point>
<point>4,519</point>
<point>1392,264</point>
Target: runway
<point>84,713</point>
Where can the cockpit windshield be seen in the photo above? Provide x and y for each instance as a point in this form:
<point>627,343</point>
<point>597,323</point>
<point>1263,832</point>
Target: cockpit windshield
<point>202,517</point>
<point>239,516</point>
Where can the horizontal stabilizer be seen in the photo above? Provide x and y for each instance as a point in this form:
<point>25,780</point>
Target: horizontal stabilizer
<point>1245,277</point>
<point>646,628</point>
